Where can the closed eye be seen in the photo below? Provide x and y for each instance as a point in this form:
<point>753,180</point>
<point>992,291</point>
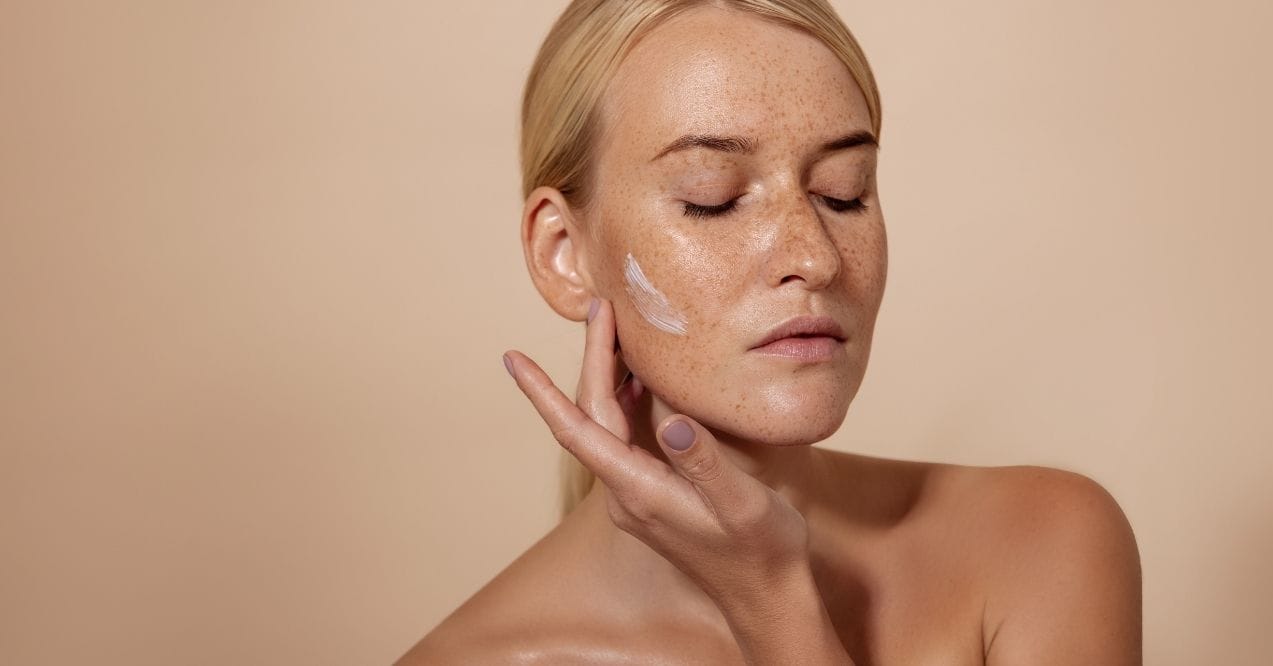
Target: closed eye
<point>837,205</point>
<point>696,210</point>
<point>840,205</point>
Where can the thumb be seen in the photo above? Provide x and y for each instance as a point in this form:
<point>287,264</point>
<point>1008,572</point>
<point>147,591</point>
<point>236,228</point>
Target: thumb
<point>696,455</point>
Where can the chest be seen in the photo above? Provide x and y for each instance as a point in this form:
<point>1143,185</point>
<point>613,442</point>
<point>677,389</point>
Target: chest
<point>907,609</point>
<point>923,619</point>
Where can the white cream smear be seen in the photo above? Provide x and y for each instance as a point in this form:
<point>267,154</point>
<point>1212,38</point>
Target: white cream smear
<point>651,302</point>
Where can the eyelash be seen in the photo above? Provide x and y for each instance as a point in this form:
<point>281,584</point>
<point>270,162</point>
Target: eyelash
<point>837,205</point>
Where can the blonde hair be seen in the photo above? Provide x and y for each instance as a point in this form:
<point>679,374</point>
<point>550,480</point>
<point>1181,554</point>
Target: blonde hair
<point>570,75</point>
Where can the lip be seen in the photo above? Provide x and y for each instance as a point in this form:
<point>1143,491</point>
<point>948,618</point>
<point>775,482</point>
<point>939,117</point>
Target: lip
<point>802,336</point>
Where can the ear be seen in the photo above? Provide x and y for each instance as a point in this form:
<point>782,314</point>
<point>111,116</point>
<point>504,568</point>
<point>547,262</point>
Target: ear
<point>556,251</point>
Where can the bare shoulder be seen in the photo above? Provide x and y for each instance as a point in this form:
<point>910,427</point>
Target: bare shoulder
<point>537,611</point>
<point>471,638</point>
<point>1032,501</point>
<point>1028,516</point>
<point>503,626</point>
<point>476,632</point>
<point>509,620</point>
<point>1061,566</point>
<point>1006,514</point>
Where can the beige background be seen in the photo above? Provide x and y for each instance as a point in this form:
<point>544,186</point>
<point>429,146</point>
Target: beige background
<point>258,261</point>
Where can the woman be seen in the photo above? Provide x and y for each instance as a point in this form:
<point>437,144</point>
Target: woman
<point>700,189</point>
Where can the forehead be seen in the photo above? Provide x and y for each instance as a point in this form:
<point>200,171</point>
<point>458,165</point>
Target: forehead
<point>714,70</point>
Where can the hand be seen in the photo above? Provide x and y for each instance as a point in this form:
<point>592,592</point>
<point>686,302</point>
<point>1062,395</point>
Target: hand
<point>730,533</point>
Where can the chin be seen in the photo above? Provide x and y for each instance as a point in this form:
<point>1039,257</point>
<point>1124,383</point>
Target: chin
<point>769,408</point>
<point>806,429</point>
<point>792,422</point>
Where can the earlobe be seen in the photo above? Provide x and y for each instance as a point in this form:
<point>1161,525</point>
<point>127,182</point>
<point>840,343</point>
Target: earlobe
<point>556,253</point>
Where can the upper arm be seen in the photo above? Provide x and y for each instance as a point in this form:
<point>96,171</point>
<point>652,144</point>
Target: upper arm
<point>1067,586</point>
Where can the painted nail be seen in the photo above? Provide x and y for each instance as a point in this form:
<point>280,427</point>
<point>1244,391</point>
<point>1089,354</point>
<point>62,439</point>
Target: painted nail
<point>508,365</point>
<point>679,436</point>
<point>592,309</point>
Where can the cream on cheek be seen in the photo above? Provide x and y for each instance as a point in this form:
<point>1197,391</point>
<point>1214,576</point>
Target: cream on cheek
<point>651,302</point>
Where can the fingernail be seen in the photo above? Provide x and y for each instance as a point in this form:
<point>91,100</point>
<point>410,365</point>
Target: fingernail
<point>679,435</point>
<point>592,309</point>
<point>508,365</point>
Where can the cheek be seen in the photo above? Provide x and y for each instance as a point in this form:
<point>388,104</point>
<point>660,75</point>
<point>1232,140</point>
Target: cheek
<point>865,254</point>
<point>668,306</point>
<point>678,286</point>
<point>688,303</point>
<point>648,300</point>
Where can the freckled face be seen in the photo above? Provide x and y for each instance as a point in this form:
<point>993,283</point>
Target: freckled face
<point>740,242</point>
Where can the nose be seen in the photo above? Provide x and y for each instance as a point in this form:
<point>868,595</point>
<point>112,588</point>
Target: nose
<point>802,248</point>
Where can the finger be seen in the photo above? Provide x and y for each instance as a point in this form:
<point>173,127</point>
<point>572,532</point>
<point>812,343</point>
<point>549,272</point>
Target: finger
<point>609,458</point>
<point>621,364</point>
<point>630,388</point>
<point>629,394</point>
<point>696,455</point>
<point>596,392</point>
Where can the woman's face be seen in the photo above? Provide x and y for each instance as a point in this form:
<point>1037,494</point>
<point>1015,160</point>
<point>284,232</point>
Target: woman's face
<point>704,249</point>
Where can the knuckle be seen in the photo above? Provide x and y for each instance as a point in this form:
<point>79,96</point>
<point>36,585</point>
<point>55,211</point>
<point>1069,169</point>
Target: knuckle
<point>619,516</point>
<point>566,433</point>
<point>635,510</point>
<point>589,405</point>
<point>705,468</point>
<point>642,511</point>
<point>751,516</point>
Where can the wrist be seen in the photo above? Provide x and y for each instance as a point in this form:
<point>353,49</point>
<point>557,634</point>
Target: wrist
<point>784,621</point>
<point>789,591</point>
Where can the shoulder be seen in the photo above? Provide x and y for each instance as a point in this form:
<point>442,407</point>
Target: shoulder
<point>479,640</point>
<point>1037,508</point>
<point>1003,515</point>
<point>444,646</point>
<point>534,611</point>
<point>470,634</point>
<point>561,645</point>
<point>497,625</point>
<point>509,620</point>
<point>521,633</point>
<point>1062,568</point>
<point>1029,516</point>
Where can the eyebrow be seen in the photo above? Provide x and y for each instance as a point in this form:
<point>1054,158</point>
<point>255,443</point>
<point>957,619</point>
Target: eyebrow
<point>725,144</point>
<point>851,140</point>
<point>746,146</point>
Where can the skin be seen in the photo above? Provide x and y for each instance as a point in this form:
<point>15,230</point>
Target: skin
<point>753,543</point>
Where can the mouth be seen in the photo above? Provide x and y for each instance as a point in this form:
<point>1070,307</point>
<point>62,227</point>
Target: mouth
<point>805,337</point>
